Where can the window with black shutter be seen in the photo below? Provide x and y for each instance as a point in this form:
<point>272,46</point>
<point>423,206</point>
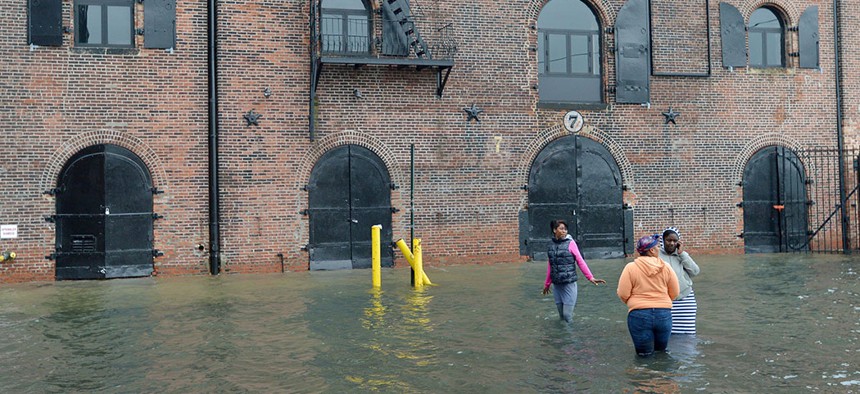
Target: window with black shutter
<point>345,26</point>
<point>568,53</point>
<point>104,23</point>
<point>766,39</point>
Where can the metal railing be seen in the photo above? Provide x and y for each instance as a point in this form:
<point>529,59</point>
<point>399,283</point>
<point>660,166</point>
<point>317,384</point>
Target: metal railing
<point>351,34</point>
<point>825,208</point>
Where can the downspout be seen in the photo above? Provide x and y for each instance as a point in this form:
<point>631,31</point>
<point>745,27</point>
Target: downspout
<point>214,203</point>
<point>840,140</point>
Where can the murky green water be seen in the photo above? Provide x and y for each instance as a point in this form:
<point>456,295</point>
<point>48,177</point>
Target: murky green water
<point>767,323</point>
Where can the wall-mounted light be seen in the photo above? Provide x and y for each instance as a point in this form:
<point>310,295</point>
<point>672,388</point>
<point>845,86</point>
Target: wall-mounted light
<point>357,93</point>
<point>267,92</point>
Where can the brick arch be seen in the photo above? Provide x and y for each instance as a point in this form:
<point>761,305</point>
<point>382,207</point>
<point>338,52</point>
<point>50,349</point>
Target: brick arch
<point>97,137</point>
<point>553,133</point>
<point>353,137</point>
<point>763,141</point>
<point>786,9</point>
<point>604,9</point>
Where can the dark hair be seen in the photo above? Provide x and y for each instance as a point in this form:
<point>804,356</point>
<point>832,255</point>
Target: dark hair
<point>667,232</point>
<point>553,224</point>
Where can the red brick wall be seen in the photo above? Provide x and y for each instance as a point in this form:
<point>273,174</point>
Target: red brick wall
<point>467,174</point>
<point>57,100</point>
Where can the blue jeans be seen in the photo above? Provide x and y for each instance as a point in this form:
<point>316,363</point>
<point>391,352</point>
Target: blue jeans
<point>650,329</point>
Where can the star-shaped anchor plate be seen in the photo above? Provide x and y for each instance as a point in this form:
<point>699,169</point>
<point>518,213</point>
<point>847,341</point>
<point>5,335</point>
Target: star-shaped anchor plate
<point>252,118</point>
<point>472,113</point>
<point>671,115</point>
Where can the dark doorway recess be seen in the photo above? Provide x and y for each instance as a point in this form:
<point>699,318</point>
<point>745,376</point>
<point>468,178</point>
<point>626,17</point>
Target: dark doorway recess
<point>576,179</point>
<point>349,191</point>
<point>104,215</point>
<point>775,203</point>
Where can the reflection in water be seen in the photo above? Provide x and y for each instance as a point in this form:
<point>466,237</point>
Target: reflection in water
<point>766,323</point>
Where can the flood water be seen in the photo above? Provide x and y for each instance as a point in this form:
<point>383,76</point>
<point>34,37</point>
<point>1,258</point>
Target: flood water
<point>784,323</point>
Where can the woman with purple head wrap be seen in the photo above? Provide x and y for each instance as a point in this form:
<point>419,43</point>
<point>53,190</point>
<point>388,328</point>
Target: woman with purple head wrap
<point>648,285</point>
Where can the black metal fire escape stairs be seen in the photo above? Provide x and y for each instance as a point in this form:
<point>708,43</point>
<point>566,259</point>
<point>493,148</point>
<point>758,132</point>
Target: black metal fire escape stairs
<point>417,55</point>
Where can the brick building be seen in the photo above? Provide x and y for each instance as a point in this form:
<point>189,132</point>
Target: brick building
<point>335,115</point>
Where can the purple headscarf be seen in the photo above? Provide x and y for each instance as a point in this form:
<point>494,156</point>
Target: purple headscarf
<point>647,242</point>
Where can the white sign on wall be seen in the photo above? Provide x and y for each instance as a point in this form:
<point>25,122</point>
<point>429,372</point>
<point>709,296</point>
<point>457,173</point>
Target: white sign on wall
<point>8,231</point>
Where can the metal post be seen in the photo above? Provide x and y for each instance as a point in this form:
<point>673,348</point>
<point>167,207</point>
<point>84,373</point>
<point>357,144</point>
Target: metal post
<point>839,137</point>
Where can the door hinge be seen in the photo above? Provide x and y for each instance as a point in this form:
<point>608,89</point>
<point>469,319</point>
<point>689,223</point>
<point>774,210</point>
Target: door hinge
<point>303,212</point>
<point>156,190</point>
<point>156,216</point>
<point>52,192</point>
<point>51,218</point>
<point>157,253</point>
<point>394,210</point>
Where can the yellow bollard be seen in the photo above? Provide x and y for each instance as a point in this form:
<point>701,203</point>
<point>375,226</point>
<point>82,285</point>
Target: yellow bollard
<point>410,258</point>
<point>375,255</point>
<point>419,262</point>
<point>401,244</point>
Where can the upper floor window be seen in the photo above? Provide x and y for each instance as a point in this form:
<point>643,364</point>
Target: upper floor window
<point>569,58</point>
<point>345,27</point>
<point>766,39</point>
<point>104,23</point>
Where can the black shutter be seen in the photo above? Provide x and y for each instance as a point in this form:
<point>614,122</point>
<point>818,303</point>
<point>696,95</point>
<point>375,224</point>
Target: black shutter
<point>159,24</point>
<point>808,37</point>
<point>46,22</point>
<point>733,34</point>
<point>394,40</point>
<point>633,53</point>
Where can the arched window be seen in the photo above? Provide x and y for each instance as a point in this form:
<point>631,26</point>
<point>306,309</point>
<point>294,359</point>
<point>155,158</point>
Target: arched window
<point>569,62</point>
<point>766,38</point>
<point>345,27</point>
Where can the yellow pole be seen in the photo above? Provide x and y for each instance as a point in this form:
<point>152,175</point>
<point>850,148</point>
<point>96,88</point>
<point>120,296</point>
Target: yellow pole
<point>375,255</point>
<point>410,258</point>
<point>401,244</point>
<point>419,278</point>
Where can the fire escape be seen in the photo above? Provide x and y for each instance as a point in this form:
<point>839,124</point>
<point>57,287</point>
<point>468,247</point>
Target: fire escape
<point>388,36</point>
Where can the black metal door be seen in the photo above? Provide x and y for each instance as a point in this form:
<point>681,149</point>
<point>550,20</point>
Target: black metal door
<point>349,191</point>
<point>104,215</point>
<point>775,203</point>
<point>578,180</point>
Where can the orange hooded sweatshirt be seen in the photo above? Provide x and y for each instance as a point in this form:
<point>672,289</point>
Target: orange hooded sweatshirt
<point>648,282</point>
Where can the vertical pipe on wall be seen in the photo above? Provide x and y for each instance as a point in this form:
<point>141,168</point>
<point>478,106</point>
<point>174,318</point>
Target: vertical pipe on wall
<point>839,137</point>
<point>214,201</point>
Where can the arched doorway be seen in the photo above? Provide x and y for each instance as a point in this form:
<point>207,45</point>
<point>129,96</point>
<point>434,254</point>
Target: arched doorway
<point>775,204</point>
<point>349,191</point>
<point>576,179</point>
<point>104,215</point>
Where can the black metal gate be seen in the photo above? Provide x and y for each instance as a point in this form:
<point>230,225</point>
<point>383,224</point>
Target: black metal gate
<point>775,202</point>
<point>578,180</point>
<point>349,191</point>
<point>104,215</point>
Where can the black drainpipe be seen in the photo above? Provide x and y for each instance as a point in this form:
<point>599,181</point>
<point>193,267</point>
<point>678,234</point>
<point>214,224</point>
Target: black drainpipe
<point>840,140</point>
<point>214,204</point>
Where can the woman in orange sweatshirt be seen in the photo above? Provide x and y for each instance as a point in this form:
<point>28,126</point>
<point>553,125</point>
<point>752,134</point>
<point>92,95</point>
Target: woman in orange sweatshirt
<point>648,285</point>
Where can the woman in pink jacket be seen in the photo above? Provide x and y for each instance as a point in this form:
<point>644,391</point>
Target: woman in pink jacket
<point>648,285</point>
